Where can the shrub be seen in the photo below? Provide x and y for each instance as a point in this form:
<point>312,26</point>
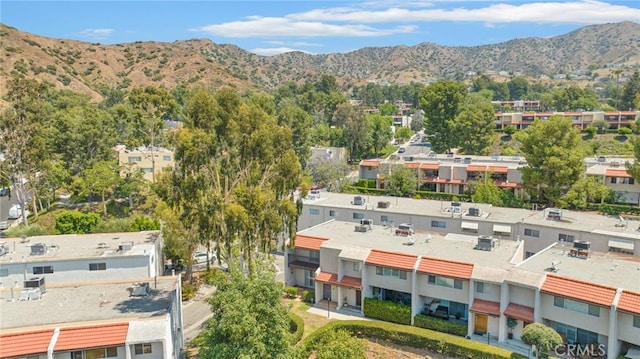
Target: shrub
<point>440,325</point>
<point>509,130</point>
<point>29,231</point>
<point>188,291</point>
<point>387,311</point>
<point>117,225</point>
<point>75,222</point>
<point>308,297</point>
<point>291,292</point>
<point>591,131</point>
<point>625,131</point>
<point>144,223</point>
<point>296,327</point>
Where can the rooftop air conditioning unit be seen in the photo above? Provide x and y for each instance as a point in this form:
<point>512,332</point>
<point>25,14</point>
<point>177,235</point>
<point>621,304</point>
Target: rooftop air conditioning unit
<point>358,200</point>
<point>38,249</point>
<point>3,249</point>
<point>582,245</point>
<point>140,289</point>
<point>366,222</point>
<point>362,229</point>
<point>125,246</point>
<point>384,204</point>
<point>485,243</point>
<point>554,214</point>
<point>475,212</point>
<point>35,282</point>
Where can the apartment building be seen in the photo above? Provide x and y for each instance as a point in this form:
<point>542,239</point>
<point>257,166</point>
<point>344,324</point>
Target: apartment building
<point>454,174</point>
<point>145,159</point>
<point>480,280</point>
<point>522,120</point>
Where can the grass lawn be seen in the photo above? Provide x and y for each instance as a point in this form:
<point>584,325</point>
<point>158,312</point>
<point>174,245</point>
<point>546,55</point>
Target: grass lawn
<point>311,321</point>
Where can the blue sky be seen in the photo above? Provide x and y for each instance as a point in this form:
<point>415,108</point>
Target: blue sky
<point>271,27</point>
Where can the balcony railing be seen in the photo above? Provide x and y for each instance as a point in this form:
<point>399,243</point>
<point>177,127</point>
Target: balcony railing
<point>304,261</point>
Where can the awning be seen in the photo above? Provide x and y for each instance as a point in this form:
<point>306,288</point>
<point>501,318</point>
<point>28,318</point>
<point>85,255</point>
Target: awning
<point>521,312</point>
<point>633,353</point>
<point>626,244</point>
<point>500,228</point>
<point>485,307</point>
<point>473,226</point>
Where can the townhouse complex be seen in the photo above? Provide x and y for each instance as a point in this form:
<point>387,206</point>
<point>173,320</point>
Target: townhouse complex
<point>521,120</point>
<point>88,296</point>
<point>145,159</point>
<point>453,174</point>
<point>578,273</point>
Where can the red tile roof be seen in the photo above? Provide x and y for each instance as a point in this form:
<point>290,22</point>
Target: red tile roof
<point>391,259</point>
<point>309,242</point>
<point>485,307</point>
<point>429,166</point>
<point>476,168</point>
<point>25,343</point>
<point>579,290</point>
<point>411,165</point>
<point>518,311</point>
<point>446,268</point>
<point>333,279</point>
<point>92,336</point>
<point>629,302</point>
<point>506,184</point>
<point>454,181</point>
<point>434,179</point>
<point>370,163</point>
<point>498,169</point>
<point>616,173</point>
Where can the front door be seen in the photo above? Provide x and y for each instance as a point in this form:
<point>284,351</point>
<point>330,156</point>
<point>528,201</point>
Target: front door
<point>481,323</point>
<point>326,291</point>
<point>358,298</point>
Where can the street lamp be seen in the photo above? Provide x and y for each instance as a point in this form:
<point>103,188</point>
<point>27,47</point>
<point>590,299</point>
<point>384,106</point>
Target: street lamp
<point>328,309</point>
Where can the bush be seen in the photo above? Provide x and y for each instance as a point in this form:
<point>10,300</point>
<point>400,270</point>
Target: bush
<point>387,311</point>
<point>308,297</point>
<point>144,223</point>
<point>188,291</point>
<point>75,222</point>
<point>296,328</point>
<point>291,292</point>
<point>117,225</point>
<point>440,325</point>
<point>509,130</point>
<point>625,131</point>
<point>591,131</point>
<point>446,344</point>
<point>29,231</point>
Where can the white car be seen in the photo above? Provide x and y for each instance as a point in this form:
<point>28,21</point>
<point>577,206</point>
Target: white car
<point>201,257</point>
<point>4,225</point>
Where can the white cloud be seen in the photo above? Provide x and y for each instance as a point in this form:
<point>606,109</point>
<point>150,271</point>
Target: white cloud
<point>270,51</point>
<point>95,34</point>
<point>576,12</point>
<point>294,43</point>
<point>256,26</point>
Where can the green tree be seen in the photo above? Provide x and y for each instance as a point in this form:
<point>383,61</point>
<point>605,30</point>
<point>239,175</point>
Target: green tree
<point>572,98</point>
<point>75,222</point>
<point>555,158</point>
<point>388,109</point>
<point>330,174</point>
<point>379,131</point>
<point>101,178</point>
<point>248,319</point>
<point>355,129</point>
<point>518,88</point>
<point>300,122</point>
<point>543,337</point>
<point>634,168</point>
<point>475,125</point>
<point>340,344</point>
<point>589,189</point>
<point>630,92</point>
<point>486,191</point>
<point>403,133</point>
<point>402,182</point>
<point>441,102</point>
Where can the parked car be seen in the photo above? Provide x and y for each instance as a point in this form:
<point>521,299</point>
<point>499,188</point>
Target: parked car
<point>15,211</point>
<point>4,191</point>
<point>201,257</point>
<point>4,225</point>
<point>402,150</point>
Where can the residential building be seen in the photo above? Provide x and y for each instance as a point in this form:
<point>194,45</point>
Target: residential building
<point>335,154</point>
<point>133,318</point>
<point>522,120</point>
<point>145,159</point>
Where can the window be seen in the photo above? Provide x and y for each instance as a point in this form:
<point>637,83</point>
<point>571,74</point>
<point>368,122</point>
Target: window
<point>4,272</point>
<point>144,348</point>
<point>314,254</point>
<point>445,282</point>
<point>439,224</point>
<point>531,232</point>
<point>386,219</point>
<point>309,277</point>
<point>43,270</point>
<point>566,237</point>
<point>577,306</point>
<point>358,215</point>
<point>166,158</point>
<point>481,287</point>
<point>314,211</point>
<point>134,159</point>
<point>636,321</point>
<point>357,267</point>
<point>97,266</point>
<point>528,254</point>
<point>391,272</point>
<point>109,352</point>
<point>622,180</point>
<point>147,170</point>
<point>332,213</point>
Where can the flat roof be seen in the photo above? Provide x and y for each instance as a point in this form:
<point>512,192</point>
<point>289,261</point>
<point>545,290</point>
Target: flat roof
<point>616,270</point>
<point>571,220</point>
<point>453,247</point>
<point>69,304</point>
<point>74,246</point>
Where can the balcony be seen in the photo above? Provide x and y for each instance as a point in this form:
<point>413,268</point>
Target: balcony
<point>304,262</point>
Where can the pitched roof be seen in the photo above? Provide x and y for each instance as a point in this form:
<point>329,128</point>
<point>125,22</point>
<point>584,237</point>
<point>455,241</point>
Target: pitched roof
<point>370,163</point>
<point>346,281</point>
<point>579,290</point>
<point>476,168</point>
<point>616,173</point>
<point>445,267</point>
<point>92,336</point>
<point>629,302</point>
<point>518,311</point>
<point>391,259</point>
<point>498,169</point>
<point>411,165</point>
<point>25,343</point>
<point>429,166</point>
<point>309,242</point>
<point>485,306</point>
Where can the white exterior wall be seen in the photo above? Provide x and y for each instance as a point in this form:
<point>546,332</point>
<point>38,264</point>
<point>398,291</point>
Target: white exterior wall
<point>598,325</point>
<point>393,283</point>
<point>329,260</point>
<point>440,292</point>
<point>522,295</point>
<point>626,331</point>
<point>347,268</point>
<point>157,352</point>
<point>492,289</point>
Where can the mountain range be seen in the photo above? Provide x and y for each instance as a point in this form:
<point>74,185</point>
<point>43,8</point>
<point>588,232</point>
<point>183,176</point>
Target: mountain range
<point>91,68</point>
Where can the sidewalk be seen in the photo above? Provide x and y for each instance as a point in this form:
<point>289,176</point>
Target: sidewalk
<point>320,309</point>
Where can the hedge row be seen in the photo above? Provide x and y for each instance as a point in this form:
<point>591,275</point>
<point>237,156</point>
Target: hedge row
<point>296,327</point>
<point>440,325</point>
<point>387,311</point>
<point>441,196</point>
<point>408,336</point>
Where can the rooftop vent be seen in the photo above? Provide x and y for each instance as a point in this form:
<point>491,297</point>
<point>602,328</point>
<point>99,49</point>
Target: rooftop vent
<point>35,283</point>
<point>23,239</point>
<point>140,289</point>
<point>581,249</point>
<point>102,245</point>
<point>38,249</point>
<point>3,249</point>
<point>358,201</point>
<point>125,246</point>
<point>365,225</point>
<point>404,229</point>
<point>474,212</point>
<point>485,243</point>
<point>554,214</point>
<point>384,204</point>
